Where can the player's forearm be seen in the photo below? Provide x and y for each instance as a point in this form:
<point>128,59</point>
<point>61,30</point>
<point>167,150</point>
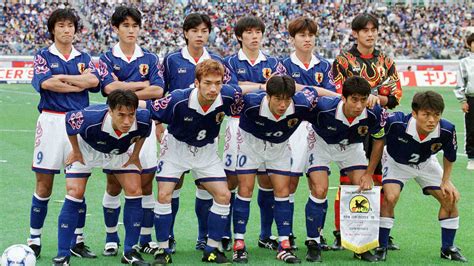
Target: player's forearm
<point>249,83</point>
<point>251,87</point>
<point>133,86</point>
<point>383,100</point>
<point>447,169</point>
<point>83,81</point>
<point>375,155</point>
<point>74,143</point>
<point>137,148</point>
<point>151,92</point>
<point>324,92</point>
<point>56,85</point>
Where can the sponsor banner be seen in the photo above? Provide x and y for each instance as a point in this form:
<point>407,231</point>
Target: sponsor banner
<point>16,74</point>
<point>360,218</point>
<point>429,78</point>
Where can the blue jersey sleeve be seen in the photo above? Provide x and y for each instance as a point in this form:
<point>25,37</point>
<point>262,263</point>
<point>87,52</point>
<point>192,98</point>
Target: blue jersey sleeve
<point>93,70</point>
<point>308,96</point>
<point>234,94</point>
<point>451,146</point>
<point>162,109</point>
<point>75,122</point>
<point>231,74</point>
<point>105,69</point>
<point>166,73</point>
<point>328,82</point>
<point>41,72</point>
<point>378,122</point>
<point>156,73</point>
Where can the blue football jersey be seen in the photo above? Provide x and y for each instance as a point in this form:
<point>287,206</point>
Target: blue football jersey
<point>48,62</point>
<point>94,124</point>
<point>186,119</point>
<point>330,123</point>
<point>179,68</point>
<point>240,68</point>
<point>142,66</point>
<point>405,146</point>
<point>318,73</point>
<point>257,119</point>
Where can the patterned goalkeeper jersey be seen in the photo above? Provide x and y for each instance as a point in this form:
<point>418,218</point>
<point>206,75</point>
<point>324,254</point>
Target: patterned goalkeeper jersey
<point>379,70</point>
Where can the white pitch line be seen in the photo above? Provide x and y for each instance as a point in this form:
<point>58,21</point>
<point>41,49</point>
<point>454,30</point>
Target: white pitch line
<point>17,130</point>
<point>3,161</point>
<point>37,94</point>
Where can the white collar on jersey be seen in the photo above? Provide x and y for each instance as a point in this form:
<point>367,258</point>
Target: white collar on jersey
<point>54,50</point>
<point>261,57</point>
<point>471,55</point>
<point>107,127</point>
<point>295,60</point>
<point>411,130</point>
<point>186,55</point>
<point>117,52</point>
<point>340,115</point>
<point>265,110</point>
<point>194,103</point>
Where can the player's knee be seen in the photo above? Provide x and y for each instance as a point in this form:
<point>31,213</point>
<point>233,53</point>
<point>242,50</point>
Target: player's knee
<point>44,191</point>
<point>320,192</point>
<point>164,196</point>
<point>448,204</point>
<point>390,199</point>
<point>76,191</point>
<point>147,189</point>
<point>282,192</point>
<point>245,191</point>
<point>222,197</point>
<point>133,190</point>
<point>113,189</point>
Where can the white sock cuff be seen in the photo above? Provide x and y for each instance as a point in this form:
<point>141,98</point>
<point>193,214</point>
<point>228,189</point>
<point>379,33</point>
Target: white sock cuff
<point>386,222</point>
<point>112,229</point>
<point>111,202</point>
<point>162,209</point>
<point>146,230</point>
<point>450,223</point>
<point>242,198</point>
<point>264,189</point>
<point>148,202</point>
<point>316,200</point>
<point>176,193</point>
<point>282,199</point>
<point>203,194</point>
<point>133,197</point>
<point>36,232</point>
<point>71,198</point>
<point>220,209</point>
<point>292,198</point>
<point>40,198</point>
<point>79,231</point>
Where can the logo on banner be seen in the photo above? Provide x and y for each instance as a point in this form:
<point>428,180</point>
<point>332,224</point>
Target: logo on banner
<point>359,204</point>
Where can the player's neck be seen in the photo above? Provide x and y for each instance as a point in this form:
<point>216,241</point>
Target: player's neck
<point>422,132</point>
<point>204,102</point>
<point>64,48</point>
<point>363,50</point>
<point>128,49</point>
<point>195,52</point>
<point>347,113</point>
<point>251,54</point>
<point>304,57</point>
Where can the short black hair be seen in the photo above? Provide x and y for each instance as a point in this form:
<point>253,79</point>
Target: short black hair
<point>125,98</point>
<point>68,14</point>
<point>355,85</point>
<point>427,100</point>
<point>469,40</point>
<point>361,21</point>
<point>195,19</point>
<point>281,86</point>
<point>247,23</point>
<point>122,12</point>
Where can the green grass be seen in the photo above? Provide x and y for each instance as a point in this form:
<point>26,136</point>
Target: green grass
<point>416,228</point>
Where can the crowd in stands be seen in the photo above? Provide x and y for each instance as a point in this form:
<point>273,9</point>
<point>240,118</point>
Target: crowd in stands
<point>405,32</point>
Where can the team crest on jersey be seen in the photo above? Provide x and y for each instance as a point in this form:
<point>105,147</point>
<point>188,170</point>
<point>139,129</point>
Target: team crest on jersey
<point>81,67</point>
<point>267,72</point>
<point>76,120</point>
<point>292,122</point>
<point>319,77</point>
<point>363,130</point>
<point>436,147</point>
<point>220,117</point>
<point>359,204</point>
<point>134,139</point>
<point>295,75</point>
<point>143,69</point>
<point>181,70</point>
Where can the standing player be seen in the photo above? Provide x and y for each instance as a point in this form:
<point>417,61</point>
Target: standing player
<point>465,94</point>
<point>63,76</point>
<point>412,142</point>
<point>128,66</point>
<point>339,126</point>
<point>309,70</point>
<point>103,136</point>
<point>194,117</point>
<point>266,123</point>
<point>250,66</point>
<point>379,70</point>
<point>179,73</point>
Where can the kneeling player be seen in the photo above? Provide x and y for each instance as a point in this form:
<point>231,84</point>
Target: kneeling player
<point>107,134</point>
<point>339,127</point>
<point>412,142</point>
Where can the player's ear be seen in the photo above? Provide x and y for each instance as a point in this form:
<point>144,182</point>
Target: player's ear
<point>115,29</point>
<point>355,34</point>
<point>196,83</point>
<point>414,114</point>
<point>292,41</point>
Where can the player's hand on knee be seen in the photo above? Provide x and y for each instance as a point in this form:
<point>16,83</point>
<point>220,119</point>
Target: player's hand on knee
<point>133,160</point>
<point>74,157</point>
<point>366,182</point>
<point>160,130</point>
<point>449,191</point>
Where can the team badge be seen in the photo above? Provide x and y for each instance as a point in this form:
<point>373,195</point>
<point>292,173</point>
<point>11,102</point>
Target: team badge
<point>220,117</point>
<point>267,72</point>
<point>292,122</point>
<point>134,139</point>
<point>359,204</point>
<point>363,130</point>
<point>143,69</point>
<point>81,67</point>
<point>436,147</point>
<point>319,77</point>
